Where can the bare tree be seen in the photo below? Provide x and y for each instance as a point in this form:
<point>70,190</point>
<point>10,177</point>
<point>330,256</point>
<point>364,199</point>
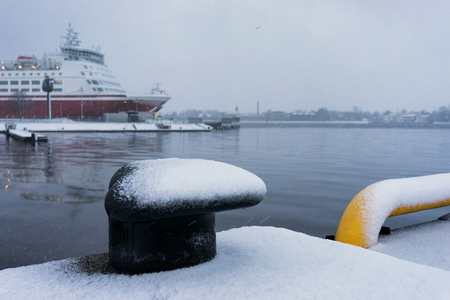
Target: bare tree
<point>19,103</point>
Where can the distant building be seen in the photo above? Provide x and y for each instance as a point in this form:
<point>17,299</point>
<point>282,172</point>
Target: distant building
<point>253,117</point>
<point>277,116</point>
<point>407,118</point>
<point>302,116</point>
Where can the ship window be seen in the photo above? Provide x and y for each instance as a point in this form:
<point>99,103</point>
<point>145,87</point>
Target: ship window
<point>9,74</point>
<point>38,74</point>
<point>3,82</point>
<point>3,90</point>
<point>57,90</point>
<point>14,82</point>
<point>82,73</point>
<point>100,89</point>
<point>60,74</point>
<point>35,90</point>
<point>95,82</point>
<point>88,81</point>
<point>86,67</point>
<point>17,74</point>
<point>36,82</point>
<point>94,89</point>
<point>25,90</point>
<point>25,82</point>
<point>57,82</point>
<point>14,90</point>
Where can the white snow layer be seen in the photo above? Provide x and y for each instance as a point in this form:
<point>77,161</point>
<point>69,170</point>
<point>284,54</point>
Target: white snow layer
<point>66,126</point>
<point>251,263</point>
<point>163,180</point>
<point>383,197</point>
<point>426,244</point>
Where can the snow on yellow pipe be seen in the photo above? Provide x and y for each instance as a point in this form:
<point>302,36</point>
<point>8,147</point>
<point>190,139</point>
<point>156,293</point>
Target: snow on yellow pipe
<point>366,213</point>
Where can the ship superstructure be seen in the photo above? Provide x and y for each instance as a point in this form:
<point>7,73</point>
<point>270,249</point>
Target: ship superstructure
<point>83,84</point>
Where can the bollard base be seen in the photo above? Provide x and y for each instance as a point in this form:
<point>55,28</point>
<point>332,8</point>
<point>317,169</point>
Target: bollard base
<point>161,245</point>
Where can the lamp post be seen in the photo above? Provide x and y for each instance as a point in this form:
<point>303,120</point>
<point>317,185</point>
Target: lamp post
<point>47,86</point>
<point>81,90</point>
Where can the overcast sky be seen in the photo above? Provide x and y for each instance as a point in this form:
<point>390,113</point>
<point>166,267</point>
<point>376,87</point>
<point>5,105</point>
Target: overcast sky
<point>287,54</point>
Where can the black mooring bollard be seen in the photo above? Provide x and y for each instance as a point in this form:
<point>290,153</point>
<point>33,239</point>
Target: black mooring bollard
<point>162,212</point>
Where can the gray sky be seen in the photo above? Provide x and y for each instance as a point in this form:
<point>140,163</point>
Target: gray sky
<point>288,54</point>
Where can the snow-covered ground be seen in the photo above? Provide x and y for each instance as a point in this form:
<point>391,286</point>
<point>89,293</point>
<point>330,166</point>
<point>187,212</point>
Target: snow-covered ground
<point>263,263</point>
<point>427,244</point>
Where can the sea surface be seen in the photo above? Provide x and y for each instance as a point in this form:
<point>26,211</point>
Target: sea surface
<point>51,194</point>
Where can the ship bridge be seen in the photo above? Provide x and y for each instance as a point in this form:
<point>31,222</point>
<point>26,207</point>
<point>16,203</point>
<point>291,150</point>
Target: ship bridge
<point>72,49</point>
<point>83,54</point>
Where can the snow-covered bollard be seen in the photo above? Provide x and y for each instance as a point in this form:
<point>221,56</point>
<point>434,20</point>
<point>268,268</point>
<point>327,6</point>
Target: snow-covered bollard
<point>161,212</point>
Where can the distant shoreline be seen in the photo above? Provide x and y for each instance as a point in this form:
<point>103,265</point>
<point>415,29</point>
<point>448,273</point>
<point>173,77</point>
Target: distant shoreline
<point>345,124</point>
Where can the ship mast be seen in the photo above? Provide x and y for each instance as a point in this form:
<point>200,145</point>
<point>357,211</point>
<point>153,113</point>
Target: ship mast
<point>71,37</point>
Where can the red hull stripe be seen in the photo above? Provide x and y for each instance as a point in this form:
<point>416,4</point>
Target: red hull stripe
<point>67,96</point>
<point>67,108</point>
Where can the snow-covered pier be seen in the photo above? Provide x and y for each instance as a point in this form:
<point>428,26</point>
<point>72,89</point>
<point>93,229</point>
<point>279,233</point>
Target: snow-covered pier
<point>263,263</point>
<point>25,135</point>
<point>70,126</point>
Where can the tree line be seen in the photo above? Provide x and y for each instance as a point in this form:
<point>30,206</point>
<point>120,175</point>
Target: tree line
<point>442,114</point>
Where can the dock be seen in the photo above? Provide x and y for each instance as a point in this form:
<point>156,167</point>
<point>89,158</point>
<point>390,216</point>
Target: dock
<point>223,126</point>
<point>226,123</point>
<point>23,134</point>
<point>26,136</point>
<point>25,130</point>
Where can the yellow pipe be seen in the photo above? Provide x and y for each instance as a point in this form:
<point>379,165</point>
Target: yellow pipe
<point>366,213</point>
<point>415,208</point>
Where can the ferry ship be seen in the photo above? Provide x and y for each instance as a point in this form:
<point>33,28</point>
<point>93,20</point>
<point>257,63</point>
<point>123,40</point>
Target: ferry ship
<point>83,85</point>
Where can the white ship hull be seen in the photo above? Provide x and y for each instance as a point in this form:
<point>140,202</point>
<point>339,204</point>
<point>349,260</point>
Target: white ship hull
<point>83,86</point>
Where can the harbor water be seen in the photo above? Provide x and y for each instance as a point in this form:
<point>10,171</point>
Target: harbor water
<point>51,194</point>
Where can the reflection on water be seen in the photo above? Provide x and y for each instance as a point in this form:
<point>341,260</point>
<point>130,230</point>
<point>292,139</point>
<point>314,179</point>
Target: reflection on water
<point>52,193</point>
<point>71,168</point>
